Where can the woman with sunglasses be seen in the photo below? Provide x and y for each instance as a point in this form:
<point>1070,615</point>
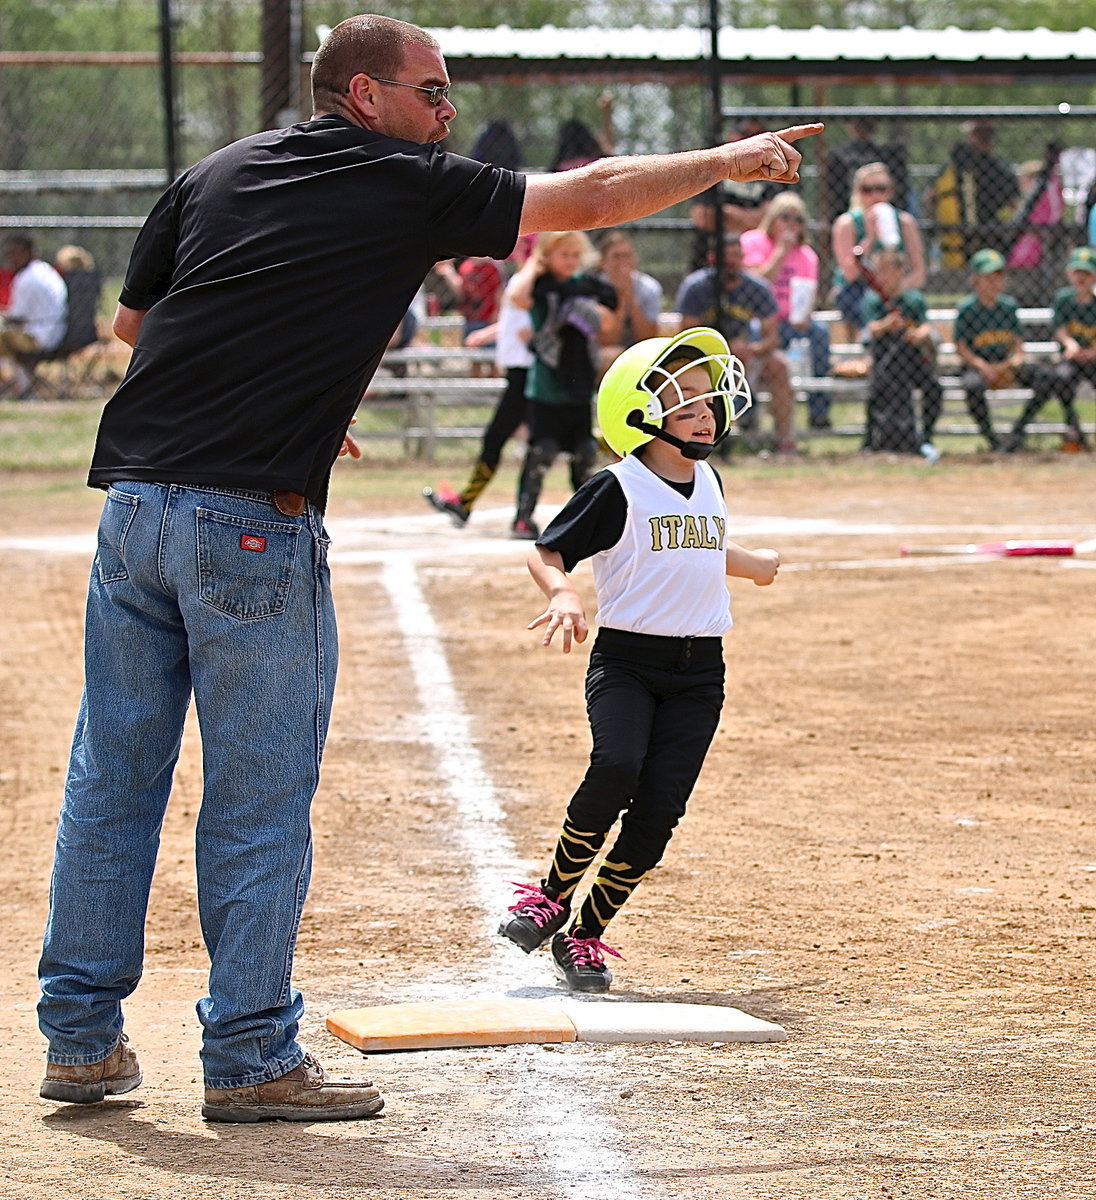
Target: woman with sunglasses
<point>779,250</point>
<point>865,225</point>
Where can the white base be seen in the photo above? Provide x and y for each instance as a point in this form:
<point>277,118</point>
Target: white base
<point>637,1021</point>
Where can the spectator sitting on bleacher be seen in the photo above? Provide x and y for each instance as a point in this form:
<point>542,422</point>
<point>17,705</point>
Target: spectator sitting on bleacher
<point>872,223</point>
<point>477,285</point>
<point>902,345</point>
<point>1074,325</point>
<point>639,297</point>
<point>778,251</point>
<point>989,342</point>
<point>749,323</point>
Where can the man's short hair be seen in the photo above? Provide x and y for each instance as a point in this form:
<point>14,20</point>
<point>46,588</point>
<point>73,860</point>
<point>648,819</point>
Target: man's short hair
<point>366,44</point>
<point>21,240</point>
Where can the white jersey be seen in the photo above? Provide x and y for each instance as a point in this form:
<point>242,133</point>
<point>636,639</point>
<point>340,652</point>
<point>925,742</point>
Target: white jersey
<point>511,347</point>
<point>667,574</point>
<point>39,299</point>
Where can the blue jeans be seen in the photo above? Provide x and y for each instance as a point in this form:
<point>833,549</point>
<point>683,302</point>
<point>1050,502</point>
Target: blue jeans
<point>210,592</point>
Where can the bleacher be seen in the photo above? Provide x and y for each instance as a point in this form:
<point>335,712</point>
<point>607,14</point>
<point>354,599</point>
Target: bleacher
<point>426,394</point>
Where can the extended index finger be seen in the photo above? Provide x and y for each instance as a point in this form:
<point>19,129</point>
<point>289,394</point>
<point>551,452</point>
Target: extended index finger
<point>794,132</point>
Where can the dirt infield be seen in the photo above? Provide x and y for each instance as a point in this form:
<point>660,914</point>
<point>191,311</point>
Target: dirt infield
<point>890,853</point>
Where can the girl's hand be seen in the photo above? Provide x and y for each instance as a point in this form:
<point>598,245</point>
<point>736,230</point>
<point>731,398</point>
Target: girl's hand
<point>766,566</point>
<point>563,612</point>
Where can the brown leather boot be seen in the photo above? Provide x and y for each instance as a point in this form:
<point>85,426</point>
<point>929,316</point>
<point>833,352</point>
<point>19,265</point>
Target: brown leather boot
<point>88,1084</point>
<point>302,1094</point>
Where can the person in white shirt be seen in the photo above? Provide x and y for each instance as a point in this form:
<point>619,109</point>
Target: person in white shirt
<point>36,315</point>
<point>654,526</point>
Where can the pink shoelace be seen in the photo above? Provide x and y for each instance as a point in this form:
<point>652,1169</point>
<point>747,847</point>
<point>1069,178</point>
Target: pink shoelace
<point>588,951</point>
<point>533,902</point>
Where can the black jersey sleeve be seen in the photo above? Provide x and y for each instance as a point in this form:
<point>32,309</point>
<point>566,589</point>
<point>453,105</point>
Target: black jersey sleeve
<point>475,208</point>
<point>152,261</point>
<point>591,521</point>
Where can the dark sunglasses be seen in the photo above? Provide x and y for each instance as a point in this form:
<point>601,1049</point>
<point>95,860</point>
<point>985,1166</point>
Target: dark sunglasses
<point>434,95</point>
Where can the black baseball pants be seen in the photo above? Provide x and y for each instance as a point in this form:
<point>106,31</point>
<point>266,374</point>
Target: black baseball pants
<point>654,705</point>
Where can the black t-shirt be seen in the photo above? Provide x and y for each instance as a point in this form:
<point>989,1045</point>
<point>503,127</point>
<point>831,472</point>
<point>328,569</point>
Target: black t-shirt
<point>274,273</point>
<point>593,518</point>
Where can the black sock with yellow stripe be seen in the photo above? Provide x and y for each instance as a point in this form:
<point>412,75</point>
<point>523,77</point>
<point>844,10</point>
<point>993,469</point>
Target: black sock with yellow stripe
<point>615,882</point>
<point>575,851</point>
<point>481,476</point>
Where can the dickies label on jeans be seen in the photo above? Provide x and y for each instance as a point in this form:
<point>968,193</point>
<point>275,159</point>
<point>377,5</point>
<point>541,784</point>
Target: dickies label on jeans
<point>250,541</point>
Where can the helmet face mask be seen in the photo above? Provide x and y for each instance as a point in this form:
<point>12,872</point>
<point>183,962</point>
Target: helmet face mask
<point>729,389</point>
<point>639,391</point>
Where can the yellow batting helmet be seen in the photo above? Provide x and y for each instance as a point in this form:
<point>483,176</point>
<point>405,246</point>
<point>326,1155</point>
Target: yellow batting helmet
<point>638,391</point>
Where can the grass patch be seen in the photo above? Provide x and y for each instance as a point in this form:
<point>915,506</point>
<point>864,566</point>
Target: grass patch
<point>46,446</point>
<point>48,435</point>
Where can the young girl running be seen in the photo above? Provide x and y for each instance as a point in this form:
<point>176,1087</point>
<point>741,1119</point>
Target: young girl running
<point>654,525</point>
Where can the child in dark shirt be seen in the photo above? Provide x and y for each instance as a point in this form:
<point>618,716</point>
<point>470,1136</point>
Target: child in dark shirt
<point>1074,325</point>
<point>990,344</point>
<point>567,304</point>
<point>902,344</point>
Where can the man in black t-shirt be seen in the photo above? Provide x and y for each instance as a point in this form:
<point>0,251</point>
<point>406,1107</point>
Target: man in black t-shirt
<point>261,293</point>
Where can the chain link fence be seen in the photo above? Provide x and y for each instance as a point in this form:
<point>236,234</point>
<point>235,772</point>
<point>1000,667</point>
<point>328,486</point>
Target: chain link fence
<point>82,157</point>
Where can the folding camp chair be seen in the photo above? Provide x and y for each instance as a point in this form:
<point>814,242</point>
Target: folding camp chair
<point>81,331</point>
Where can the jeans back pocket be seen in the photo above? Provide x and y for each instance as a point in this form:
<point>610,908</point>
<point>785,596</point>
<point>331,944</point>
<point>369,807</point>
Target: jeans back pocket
<point>118,513</point>
<point>245,566</point>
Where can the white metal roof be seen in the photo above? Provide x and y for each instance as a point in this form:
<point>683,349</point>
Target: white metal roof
<point>772,44</point>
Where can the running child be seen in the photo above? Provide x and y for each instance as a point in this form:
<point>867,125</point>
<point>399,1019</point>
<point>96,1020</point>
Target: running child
<point>510,336</point>
<point>654,525</point>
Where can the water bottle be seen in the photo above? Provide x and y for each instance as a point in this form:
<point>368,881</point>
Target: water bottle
<point>887,228</point>
<point>799,359</point>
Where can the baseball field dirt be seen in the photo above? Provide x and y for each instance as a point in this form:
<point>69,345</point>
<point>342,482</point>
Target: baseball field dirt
<point>890,854</point>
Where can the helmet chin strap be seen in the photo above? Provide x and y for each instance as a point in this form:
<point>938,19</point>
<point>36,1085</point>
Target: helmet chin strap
<point>696,451</point>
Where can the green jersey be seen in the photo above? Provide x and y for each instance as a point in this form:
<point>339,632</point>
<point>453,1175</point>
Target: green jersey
<point>910,303</point>
<point>990,331</point>
<point>1078,317</point>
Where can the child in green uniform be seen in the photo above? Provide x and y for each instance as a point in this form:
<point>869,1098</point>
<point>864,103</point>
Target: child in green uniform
<point>1074,325</point>
<point>990,344</point>
<point>901,342</point>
